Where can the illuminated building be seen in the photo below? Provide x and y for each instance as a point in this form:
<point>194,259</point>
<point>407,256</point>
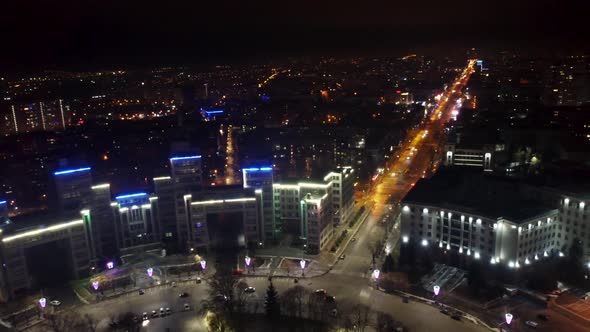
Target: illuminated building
<point>136,222</point>
<point>261,178</point>
<point>185,179</point>
<point>43,115</point>
<point>73,187</point>
<point>224,217</point>
<point>495,219</point>
<point>40,248</point>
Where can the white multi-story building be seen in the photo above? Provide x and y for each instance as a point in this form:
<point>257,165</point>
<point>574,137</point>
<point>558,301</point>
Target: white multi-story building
<point>486,218</point>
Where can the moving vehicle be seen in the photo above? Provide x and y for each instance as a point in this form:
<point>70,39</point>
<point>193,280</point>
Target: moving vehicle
<point>168,311</point>
<point>162,312</point>
<point>154,314</point>
<point>145,316</point>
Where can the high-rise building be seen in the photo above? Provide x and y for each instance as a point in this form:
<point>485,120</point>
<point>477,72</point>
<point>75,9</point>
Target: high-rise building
<point>36,116</point>
<point>136,222</point>
<point>73,186</point>
<point>261,179</point>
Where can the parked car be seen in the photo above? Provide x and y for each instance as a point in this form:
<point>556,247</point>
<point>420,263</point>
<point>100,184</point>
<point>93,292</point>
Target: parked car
<point>250,290</point>
<point>543,317</point>
<point>183,294</point>
<point>145,316</point>
<point>187,307</point>
<point>532,324</point>
<point>342,256</point>
<point>334,312</point>
<point>330,299</point>
<point>198,280</point>
<point>141,291</point>
<point>162,312</point>
<point>405,300</point>
<point>168,311</point>
<point>353,239</point>
<point>55,303</point>
<point>154,314</point>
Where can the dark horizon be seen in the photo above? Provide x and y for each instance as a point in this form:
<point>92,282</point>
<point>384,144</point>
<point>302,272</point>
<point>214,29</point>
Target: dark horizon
<point>107,33</point>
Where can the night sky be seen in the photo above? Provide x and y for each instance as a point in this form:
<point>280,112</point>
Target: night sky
<point>45,33</point>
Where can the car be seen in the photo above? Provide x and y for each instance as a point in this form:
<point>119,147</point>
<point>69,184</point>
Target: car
<point>353,239</point>
<point>342,256</point>
<point>198,280</point>
<point>250,290</point>
<point>405,300</point>
<point>145,316</point>
<point>445,312</point>
<point>334,312</point>
<point>168,311</point>
<point>141,291</point>
<point>174,284</point>
<point>320,292</point>
<point>162,312</point>
<point>543,317</point>
<point>183,294</point>
<point>187,307</point>
<point>531,323</point>
<point>55,303</point>
<point>330,299</point>
<point>154,314</point>
<point>456,316</point>
<point>135,319</point>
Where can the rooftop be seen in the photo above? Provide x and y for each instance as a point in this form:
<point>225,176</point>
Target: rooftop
<point>489,196</point>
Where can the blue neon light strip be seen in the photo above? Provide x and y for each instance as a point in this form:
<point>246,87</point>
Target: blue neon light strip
<point>213,112</point>
<point>2,202</point>
<point>185,158</point>
<point>257,169</point>
<point>70,171</point>
<point>130,195</point>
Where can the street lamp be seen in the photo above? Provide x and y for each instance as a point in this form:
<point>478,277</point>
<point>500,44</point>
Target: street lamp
<point>376,274</point>
<point>150,272</point>
<point>302,264</point>
<point>436,290</point>
<point>95,285</point>
<point>42,302</point>
<point>203,264</point>
<point>110,265</point>
<point>247,260</point>
<point>508,317</point>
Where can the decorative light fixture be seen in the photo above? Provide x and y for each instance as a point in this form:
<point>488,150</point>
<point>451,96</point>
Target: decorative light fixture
<point>95,285</point>
<point>508,318</point>
<point>436,290</point>
<point>150,272</point>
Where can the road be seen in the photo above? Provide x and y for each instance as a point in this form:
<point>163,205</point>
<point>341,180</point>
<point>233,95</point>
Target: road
<point>349,280</point>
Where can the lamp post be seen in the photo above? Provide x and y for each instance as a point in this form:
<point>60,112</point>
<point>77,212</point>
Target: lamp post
<point>436,289</point>
<point>247,260</point>
<point>508,318</point>
<point>95,285</point>
<point>150,272</point>
<point>203,264</point>
<point>110,265</point>
<point>302,264</point>
<point>42,302</point>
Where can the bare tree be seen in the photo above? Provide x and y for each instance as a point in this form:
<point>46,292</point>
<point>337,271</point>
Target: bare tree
<point>384,322</point>
<point>374,247</point>
<point>360,317</point>
<point>294,300</point>
<point>63,322</point>
<point>90,324</point>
